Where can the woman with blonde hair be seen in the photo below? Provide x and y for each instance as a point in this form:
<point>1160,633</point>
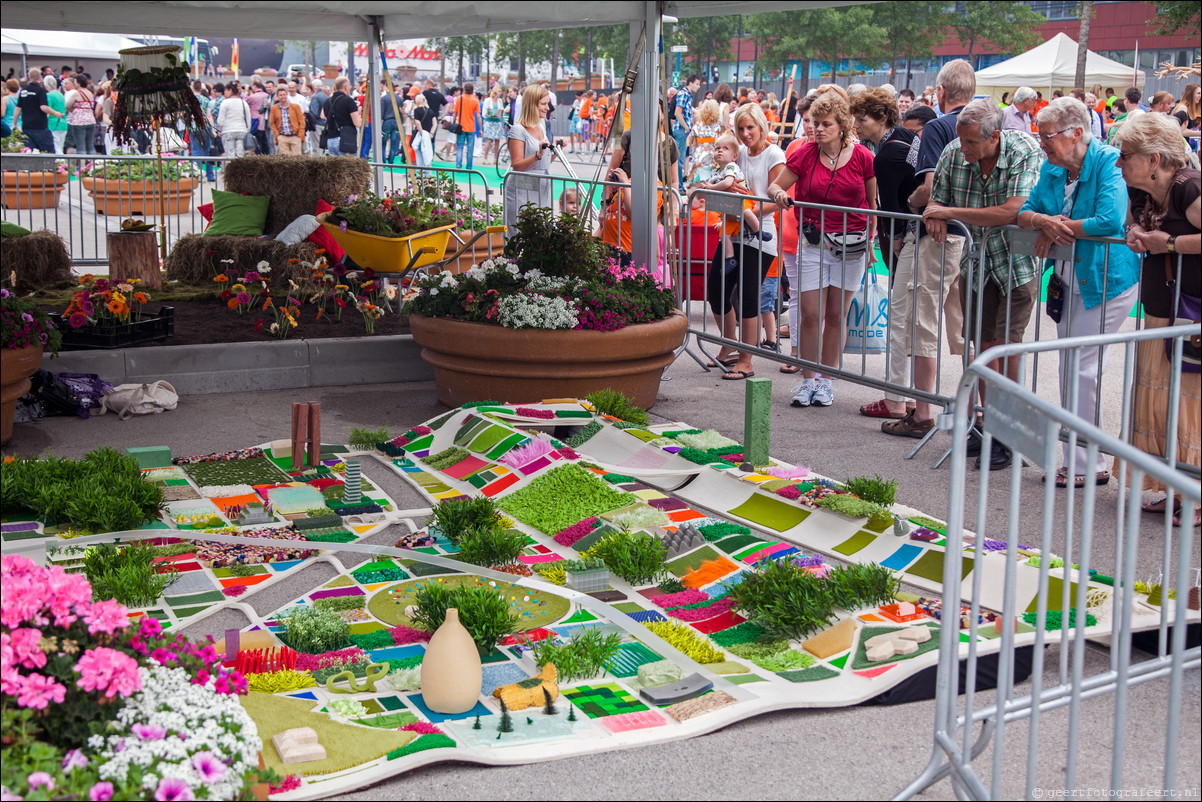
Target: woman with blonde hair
<point>1164,221</point>
<point>494,122</point>
<point>529,152</point>
<point>734,298</point>
<point>1188,112</point>
<point>707,125</point>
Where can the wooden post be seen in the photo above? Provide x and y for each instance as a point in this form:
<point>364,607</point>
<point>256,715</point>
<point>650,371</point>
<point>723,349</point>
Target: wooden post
<point>135,254</point>
<point>299,421</point>
<point>314,434</point>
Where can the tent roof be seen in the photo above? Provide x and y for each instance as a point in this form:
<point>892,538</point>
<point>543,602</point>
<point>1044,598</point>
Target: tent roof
<point>17,41</point>
<point>1054,64</point>
<point>341,20</point>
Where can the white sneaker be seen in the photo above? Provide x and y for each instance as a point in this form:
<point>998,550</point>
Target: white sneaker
<point>804,393</point>
<point>824,393</point>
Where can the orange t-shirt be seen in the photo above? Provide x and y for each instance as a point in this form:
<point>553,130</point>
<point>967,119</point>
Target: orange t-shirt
<point>586,108</point>
<point>615,228</point>
<point>602,107</point>
<point>466,109</point>
<point>626,115</point>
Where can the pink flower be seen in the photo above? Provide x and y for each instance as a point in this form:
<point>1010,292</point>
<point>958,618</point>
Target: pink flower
<point>172,789</point>
<point>73,760</point>
<point>148,732</point>
<point>101,792</point>
<point>26,649</point>
<point>37,691</point>
<point>40,778</point>
<point>210,768</point>
<point>109,670</point>
<point>107,616</point>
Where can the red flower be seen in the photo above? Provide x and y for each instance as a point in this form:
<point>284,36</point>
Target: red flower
<point>259,325</point>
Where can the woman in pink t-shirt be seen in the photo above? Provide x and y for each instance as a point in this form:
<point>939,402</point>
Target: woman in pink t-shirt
<point>831,171</point>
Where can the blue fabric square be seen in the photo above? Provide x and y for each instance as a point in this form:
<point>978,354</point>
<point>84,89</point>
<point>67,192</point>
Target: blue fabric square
<point>899,559</point>
<point>501,674</point>
<point>434,718</point>
<point>646,616</point>
<point>397,652</point>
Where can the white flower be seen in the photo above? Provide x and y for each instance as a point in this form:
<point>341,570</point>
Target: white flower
<point>536,311</point>
<point>448,280</point>
<point>434,290</point>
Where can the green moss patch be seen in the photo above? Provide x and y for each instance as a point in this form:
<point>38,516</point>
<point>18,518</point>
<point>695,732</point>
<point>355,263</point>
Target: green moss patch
<point>562,497</point>
<point>536,608</point>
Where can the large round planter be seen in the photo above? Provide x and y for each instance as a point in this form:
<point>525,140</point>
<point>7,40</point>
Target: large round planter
<point>483,362</point>
<point>16,366</point>
<point>32,190</point>
<point>113,196</point>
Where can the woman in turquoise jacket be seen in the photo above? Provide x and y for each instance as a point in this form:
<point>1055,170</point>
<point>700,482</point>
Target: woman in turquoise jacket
<point>1081,193</point>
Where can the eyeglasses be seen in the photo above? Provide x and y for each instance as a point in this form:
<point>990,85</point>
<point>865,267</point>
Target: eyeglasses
<point>1049,137</point>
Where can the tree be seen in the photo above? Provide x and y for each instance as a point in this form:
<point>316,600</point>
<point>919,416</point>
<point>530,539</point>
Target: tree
<point>1173,16</point>
<point>912,29</point>
<point>1008,25</point>
<point>705,47</point>
<point>830,34</point>
<point>1083,41</point>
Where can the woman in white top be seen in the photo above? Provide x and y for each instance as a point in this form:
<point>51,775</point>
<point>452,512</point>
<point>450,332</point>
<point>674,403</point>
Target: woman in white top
<point>233,121</point>
<point>529,152</point>
<point>761,163</point>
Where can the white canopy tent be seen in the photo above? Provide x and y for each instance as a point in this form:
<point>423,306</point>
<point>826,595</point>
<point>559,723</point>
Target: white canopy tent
<point>366,20</point>
<point>18,42</point>
<point>1053,65</point>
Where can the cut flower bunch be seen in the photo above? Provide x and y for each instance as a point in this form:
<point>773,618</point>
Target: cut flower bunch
<point>95,707</point>
<point>553,275</point>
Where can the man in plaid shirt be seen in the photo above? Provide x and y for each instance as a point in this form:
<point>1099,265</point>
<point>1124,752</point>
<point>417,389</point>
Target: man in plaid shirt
<point>682,124</point>
<point>982,180</point>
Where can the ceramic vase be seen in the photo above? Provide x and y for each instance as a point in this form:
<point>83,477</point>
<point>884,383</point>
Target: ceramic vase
<point>451,672</point>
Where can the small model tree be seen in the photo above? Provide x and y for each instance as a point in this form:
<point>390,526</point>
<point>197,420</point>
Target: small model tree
<point>506,724</point>
<point>476,725</point>
<point>548,708</point>
<point>571,713</point>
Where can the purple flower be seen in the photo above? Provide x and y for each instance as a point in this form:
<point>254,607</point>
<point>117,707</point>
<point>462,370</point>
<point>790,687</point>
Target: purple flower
<point>172,789</point>
<point>211,769</point>
<point>148,732</point>
<point>40,778</point>
<point>101,792</point>
<point>342,226</point>
<point>74,760</point>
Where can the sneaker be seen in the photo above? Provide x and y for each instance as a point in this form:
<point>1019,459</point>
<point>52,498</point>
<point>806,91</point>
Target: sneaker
<point>999,457</point>
<point>732,264</point>
<point>824,394</point>
<point>803,393</point>
<point>765,236</point>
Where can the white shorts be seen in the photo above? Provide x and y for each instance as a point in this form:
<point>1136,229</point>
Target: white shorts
<point>818,268</point>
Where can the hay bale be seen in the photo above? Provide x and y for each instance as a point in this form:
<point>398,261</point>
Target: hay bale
<point>40,261</point>
<point>296,182</point>
<point>191,262</point>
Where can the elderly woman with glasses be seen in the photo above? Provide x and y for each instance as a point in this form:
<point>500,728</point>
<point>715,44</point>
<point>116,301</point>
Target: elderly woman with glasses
<point>1081,193</point>
<point>1164,224</point>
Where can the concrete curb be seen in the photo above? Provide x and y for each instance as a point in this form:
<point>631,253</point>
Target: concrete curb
<point>240,367</point>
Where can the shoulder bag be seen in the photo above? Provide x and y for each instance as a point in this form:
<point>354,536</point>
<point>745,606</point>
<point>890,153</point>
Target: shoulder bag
<point>1188,310</point>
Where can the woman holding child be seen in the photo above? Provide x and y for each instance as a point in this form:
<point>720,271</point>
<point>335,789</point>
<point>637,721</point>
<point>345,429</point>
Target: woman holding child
<point>738,291</point>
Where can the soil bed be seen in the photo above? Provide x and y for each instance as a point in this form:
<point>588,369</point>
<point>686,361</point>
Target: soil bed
<point>210,321</point>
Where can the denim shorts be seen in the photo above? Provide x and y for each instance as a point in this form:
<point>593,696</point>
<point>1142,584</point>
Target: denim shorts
<point>768,292</point>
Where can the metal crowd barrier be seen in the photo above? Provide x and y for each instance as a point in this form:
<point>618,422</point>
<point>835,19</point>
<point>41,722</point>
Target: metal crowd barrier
<point>1155,552</point>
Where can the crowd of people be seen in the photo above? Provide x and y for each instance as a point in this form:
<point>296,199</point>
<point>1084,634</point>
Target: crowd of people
<point>1073,168</point>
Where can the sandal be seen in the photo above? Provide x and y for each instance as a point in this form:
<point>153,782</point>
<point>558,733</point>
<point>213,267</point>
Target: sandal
<point>877,409</point>
<point>722,363</point>
<point>790,368</point>
<point>737,375</point>
<point>1101,478</point>
<point>1197,516</point>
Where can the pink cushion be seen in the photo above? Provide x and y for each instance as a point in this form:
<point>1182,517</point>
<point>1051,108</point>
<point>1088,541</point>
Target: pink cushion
<point>206,211</point>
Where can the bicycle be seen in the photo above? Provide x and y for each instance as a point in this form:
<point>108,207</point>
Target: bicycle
<point>502,161</point>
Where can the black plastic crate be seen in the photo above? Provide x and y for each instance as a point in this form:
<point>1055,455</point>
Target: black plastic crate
<point>148,328</point>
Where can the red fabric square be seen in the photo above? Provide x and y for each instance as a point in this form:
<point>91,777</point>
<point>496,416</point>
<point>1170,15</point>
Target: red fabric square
<point>322,238</point>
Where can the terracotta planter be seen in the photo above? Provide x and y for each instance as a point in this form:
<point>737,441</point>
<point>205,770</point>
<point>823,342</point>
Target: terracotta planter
<point>481,361</point>
<point>490,245</point>
<point>32,190</point>
<point>330,70</point>
<point>16,366</point>
<point>122,198</point>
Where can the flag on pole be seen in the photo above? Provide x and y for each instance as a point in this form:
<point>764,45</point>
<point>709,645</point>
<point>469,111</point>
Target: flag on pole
<point>234,57</point>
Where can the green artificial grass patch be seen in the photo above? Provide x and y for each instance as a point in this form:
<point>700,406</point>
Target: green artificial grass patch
<point>561,497</point>
<point>432,741</point>
<point>346,746</point>
<point>692,561</point>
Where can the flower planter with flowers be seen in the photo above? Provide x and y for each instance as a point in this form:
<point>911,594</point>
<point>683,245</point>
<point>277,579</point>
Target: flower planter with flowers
<point>330,71</point>
<point>124,188</point>
<point>386,233</point>
<point>27,332</point>
<point>103,315</point>
<point>560,321</point>
<point>34,183</point>
<point>588,575</point>
<point>97,708</point>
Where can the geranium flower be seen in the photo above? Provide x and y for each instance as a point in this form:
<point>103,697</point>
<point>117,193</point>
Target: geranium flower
<point>109,670</point>
<point>173,789</point>
<point>38,691</point>
<point>107,616</point>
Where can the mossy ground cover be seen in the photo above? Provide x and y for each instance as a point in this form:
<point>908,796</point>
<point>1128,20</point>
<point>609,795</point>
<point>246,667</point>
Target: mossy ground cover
<point>252,471</point>
<point>536,608</point>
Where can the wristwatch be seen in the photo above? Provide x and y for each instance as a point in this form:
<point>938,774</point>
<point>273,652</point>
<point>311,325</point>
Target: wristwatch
<point>1170,245</point>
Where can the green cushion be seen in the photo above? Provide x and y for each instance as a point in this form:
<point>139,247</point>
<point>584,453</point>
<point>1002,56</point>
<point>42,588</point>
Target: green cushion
<point>238,214</point>
<point>8,229</point>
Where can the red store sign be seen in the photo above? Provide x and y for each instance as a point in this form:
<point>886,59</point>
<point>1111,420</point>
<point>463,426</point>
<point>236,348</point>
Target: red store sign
<point>416,52</point>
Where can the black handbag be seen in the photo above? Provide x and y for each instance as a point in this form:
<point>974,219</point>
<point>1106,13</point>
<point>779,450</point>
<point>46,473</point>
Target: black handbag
<point>1055,306</point>
<point>1188,310</point>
